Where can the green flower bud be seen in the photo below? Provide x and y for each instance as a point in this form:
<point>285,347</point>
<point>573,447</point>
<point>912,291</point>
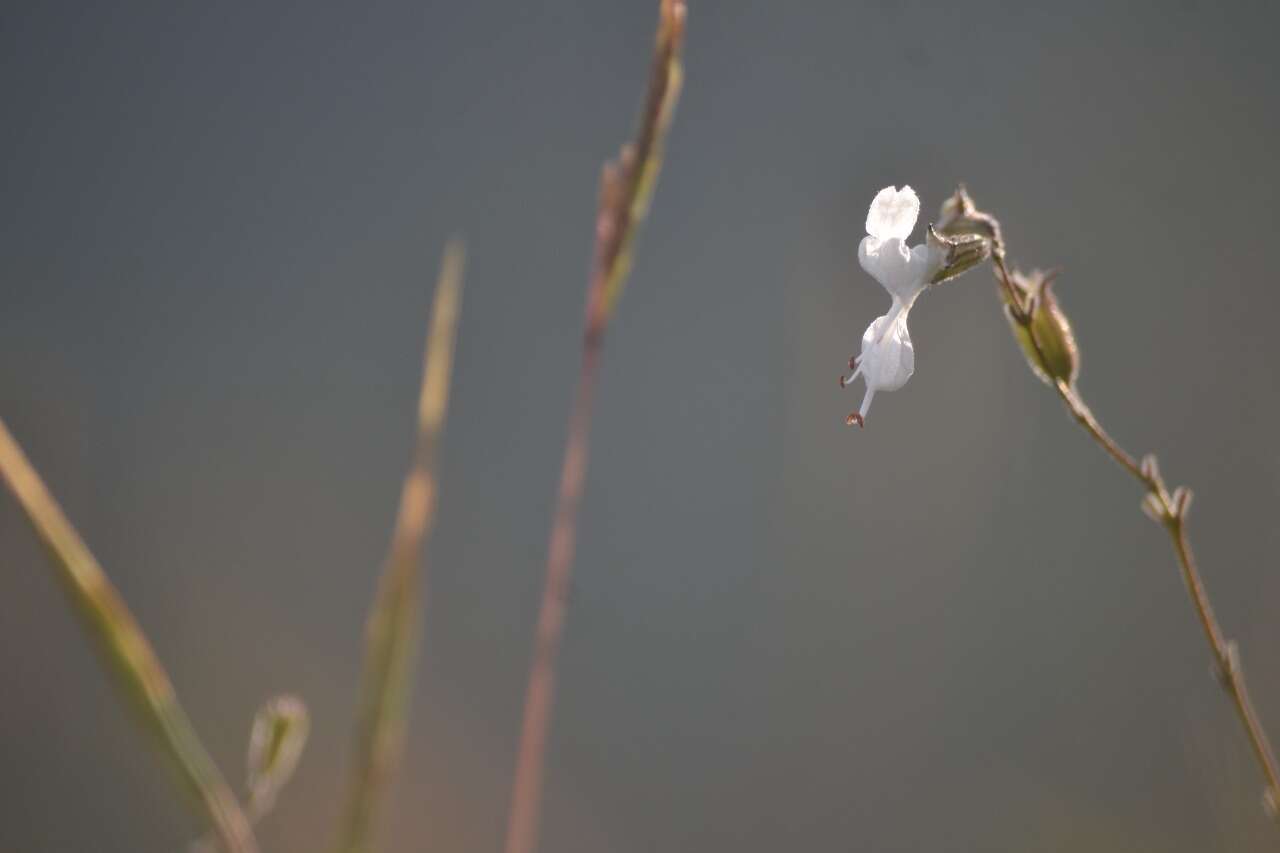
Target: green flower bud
<point>1046,338</point>
<point>960,253</point>
<point>960,216</point>
<point>275,745</point>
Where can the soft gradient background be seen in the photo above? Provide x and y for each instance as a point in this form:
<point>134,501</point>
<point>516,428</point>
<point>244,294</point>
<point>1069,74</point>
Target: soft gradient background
<point>953,631</point>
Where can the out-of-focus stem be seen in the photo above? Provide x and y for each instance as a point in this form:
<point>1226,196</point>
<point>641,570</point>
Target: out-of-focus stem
<point>392,628</point>
<point>625,188</point>
<point>522,822</point>
<point>119,637</point>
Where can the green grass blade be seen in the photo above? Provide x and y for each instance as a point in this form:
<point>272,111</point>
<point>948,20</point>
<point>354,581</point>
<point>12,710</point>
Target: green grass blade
<point>119,637</point>
<point>392,629</point>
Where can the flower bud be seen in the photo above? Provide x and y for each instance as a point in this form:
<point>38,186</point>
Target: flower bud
<point>960,253</point>
<point>1153,508</point>
<point>275,745</point>
<point>1046,338</point>
<point>961,216</point>
<point>1181,501</point>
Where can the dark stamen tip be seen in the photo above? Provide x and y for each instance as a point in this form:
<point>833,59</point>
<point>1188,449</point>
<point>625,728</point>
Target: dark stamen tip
<point>854,418</point>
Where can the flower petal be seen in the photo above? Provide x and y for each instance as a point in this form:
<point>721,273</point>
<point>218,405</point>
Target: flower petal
<point>888,358</point>
<point>893,213</point>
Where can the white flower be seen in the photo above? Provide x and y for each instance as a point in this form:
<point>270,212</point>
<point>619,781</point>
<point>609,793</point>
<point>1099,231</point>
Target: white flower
<point>888,360</point>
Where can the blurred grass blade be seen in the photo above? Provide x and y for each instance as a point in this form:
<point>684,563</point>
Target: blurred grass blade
<point>626,186</point>
<point>276,741</point>
<point>117,634</point>
<point>391,632</point>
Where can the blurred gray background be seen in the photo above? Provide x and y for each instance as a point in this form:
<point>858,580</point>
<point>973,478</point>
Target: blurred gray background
<point>951,631</point>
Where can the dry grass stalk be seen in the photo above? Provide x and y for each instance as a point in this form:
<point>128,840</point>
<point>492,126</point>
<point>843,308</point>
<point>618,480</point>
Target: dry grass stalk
<point>625,189</point>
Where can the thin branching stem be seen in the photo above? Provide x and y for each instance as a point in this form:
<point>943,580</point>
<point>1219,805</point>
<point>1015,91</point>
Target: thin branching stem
<point>1170,509</point>
<point>120,638</point>
<point>1226,656</point>
<point>393,622</point>
<point>625,188</point>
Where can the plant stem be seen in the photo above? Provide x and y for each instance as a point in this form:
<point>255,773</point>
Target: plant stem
<point>522,822</point>
<point>1171,511</point>
<point>1226,656</point>
<point>392,627</point>
<point>1085,417</point>
<point>625,188</point>
<point>120,638</point>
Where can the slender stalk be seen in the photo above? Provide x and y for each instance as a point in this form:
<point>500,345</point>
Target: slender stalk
<point>393,623</point>
<point>1170,509</point>
<point>120,639</point>
<point>625,188</point>
<point>522,822</point>
<point>1084,416</point>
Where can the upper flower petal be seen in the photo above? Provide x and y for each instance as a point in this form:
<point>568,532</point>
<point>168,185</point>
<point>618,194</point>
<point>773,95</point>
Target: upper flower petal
<point>893,213</point>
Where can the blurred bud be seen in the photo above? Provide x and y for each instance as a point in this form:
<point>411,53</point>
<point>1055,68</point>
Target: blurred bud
<point>275,744</point>
<point>1181,501</point>
<point>1153,508</point>
<point>1046,339</point>
<point>959,254</point>
<point>960,216</point>
<point>1229,669</point>
<point>1226,667</point>
<point>1150,468</point>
